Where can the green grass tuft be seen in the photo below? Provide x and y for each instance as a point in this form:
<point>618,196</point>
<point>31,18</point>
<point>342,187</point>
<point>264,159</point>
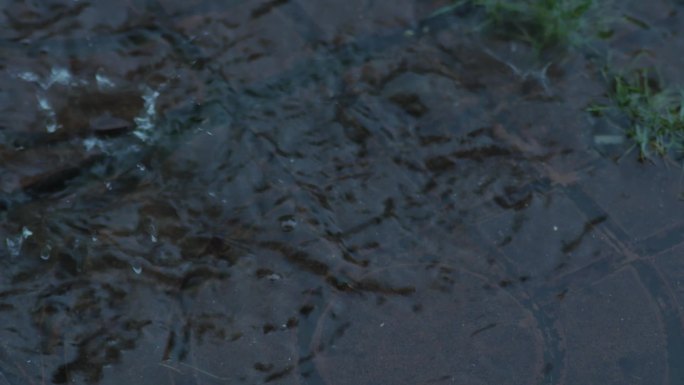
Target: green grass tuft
<point>655,115</point>
<point>543,24</point>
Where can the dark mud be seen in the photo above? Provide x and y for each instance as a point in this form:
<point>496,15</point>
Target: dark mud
<point>306,192</point>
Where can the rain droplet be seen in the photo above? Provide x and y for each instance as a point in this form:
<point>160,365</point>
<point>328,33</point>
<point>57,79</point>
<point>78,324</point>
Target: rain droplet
<point>287,223</point>
<point>137,269</point>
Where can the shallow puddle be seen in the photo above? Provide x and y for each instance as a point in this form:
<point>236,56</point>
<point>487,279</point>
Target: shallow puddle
<point>307,192</point>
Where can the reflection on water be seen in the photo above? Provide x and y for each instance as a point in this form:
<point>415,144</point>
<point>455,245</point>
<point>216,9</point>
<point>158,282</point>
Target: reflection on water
<point>302,192</point>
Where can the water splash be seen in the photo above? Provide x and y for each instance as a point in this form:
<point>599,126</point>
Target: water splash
<point>29,77</point>
<point>145,121</point>
<point>58,75</point>
<point>14,244</point>
<point>91,143</point>
<point>46,252</point>
<point>103,82</point>
<point>152,230</point>
<point>26,233</point>
<point>51,124</point>
<point>288,223</point>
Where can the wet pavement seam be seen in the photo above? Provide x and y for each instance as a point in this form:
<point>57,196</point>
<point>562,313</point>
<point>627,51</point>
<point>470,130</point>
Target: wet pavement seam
<point>671,317</point>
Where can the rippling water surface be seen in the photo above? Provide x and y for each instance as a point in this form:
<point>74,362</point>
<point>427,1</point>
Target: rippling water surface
<point>326,192</point>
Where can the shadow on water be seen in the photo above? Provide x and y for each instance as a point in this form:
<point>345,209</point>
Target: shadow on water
<point>302,192</point>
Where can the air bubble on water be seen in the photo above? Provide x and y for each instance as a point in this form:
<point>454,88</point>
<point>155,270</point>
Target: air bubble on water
<point>288,223</point>
<point>45,252</point>
<point>137,269</point>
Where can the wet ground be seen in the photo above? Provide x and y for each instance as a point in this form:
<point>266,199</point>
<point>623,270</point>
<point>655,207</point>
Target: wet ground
<point>342,192</point>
